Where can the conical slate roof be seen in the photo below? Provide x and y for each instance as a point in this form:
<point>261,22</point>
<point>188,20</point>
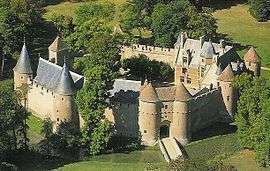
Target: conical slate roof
<point>65,84</point>
<point>208,50</point>
<point>181,93</point>
<point>252,56</point>
<point>23,65</point>
<point>57,45</point>
<point>227,75</point>
<point>149,94</point>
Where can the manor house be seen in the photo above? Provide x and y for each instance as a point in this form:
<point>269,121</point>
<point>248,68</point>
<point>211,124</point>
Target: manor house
<point>51,92</point>
<point>202,92</point>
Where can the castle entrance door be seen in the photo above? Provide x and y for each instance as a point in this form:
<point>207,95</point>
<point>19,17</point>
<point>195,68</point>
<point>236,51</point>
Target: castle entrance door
<point>165,129</point>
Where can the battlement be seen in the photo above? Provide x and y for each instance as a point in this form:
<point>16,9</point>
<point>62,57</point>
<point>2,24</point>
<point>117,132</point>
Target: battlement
<point>151,49</point>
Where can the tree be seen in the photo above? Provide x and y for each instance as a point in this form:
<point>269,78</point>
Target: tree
<point>260,9</point>
<point>141,67</point>
<point>168,20</point>
<point>47,128</point>
<point>11,117</point>
<point>253,116</point>
<point>100,67</point>
<point>64,25</point>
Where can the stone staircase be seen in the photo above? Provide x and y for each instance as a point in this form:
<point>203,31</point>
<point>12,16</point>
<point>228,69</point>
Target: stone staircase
<point>170,149</point>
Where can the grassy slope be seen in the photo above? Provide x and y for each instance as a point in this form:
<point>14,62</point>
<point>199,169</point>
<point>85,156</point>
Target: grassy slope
<point>35,126</point>
<point>136,160</point>
<point>242,28</point>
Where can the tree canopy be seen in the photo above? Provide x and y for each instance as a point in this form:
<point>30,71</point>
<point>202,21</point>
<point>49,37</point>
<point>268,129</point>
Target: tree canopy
<point>253,116</point>
<point>166,19</point>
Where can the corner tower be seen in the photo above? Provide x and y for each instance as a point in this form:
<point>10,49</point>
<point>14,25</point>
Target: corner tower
<point>227,90</point>
<point>22,71</point>
<point>180,124</point>
<point>64,106</point>
<point>253,61</point>
<point>149,115</point>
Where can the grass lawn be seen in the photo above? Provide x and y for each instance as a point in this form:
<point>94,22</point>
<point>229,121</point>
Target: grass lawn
<point>68,8</point>
<point>241,27</point>
<point>34,132</point>
<point>208,149</point>
<point>245,161</point>
<point>135,160</point>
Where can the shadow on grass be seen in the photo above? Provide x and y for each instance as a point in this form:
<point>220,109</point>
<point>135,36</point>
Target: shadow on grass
<point>34,161</point>
<point>216,129</point>
<point>219,5</point>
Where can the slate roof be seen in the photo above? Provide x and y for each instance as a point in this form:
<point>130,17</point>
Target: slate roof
<point>23,65</point>
<point>48,75</point>
<point>126,90</point>
<point>208,50</point>
<point>65,84</point>
<point>252,56</point>
<point>227,75</point>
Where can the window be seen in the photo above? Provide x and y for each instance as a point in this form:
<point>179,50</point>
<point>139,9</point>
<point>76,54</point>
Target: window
<point>166,106</point>
<point>47,91</point>
<point>41,88</point>
<point>189,80</point>
<point>184,70</point>
<point>57,119</point>
<point>218,84</point>
<point>249,64</point>
<point>230,85</point>
<point>57,111</point>
<point>62,99</point>
<point>21,77</point>
<point>228,98</point>
<point>145,131</point>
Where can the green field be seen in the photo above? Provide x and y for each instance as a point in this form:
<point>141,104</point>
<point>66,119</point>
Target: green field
<point>242,28</point>
<point>35,126</point>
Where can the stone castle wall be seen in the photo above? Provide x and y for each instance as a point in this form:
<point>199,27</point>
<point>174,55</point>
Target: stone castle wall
<point>40,101</point>
<point>166,55</point>
<point>124,116</point>
<point>204,109</point>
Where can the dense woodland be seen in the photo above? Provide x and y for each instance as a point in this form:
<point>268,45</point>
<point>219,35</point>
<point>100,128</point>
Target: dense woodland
<point>91,32</point>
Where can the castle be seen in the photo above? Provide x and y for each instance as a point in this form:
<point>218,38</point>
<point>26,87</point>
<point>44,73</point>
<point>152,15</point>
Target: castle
<point>201,94</point>
<point>51,92</point>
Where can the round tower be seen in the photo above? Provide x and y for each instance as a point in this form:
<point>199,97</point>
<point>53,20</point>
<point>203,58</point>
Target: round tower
<point>253,61</point>
<point>149,115</point>
<point>22,71</point>
<point>180,124</point>
<point>228,93</point>
<point>64,104</point>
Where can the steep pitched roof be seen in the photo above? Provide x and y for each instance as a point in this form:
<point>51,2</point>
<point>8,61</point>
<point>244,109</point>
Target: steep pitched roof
<point>181,93</point>
<point>65,85</point>
<point>252,56</point>
<point>23,65</point>
<point>57,45</point>
<point>208,50</point>
<point>149,94</point>
<point>49,73</point>
<point>227,75</point>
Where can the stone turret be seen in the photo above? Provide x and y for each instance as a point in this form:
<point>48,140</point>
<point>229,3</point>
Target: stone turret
<point>64,105</point>
<point>149,115</point>
<point>57,51</point>
<point>228,92</point>
<point>180,125</point>
<point>23,73</point>
<point>253,61</point>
